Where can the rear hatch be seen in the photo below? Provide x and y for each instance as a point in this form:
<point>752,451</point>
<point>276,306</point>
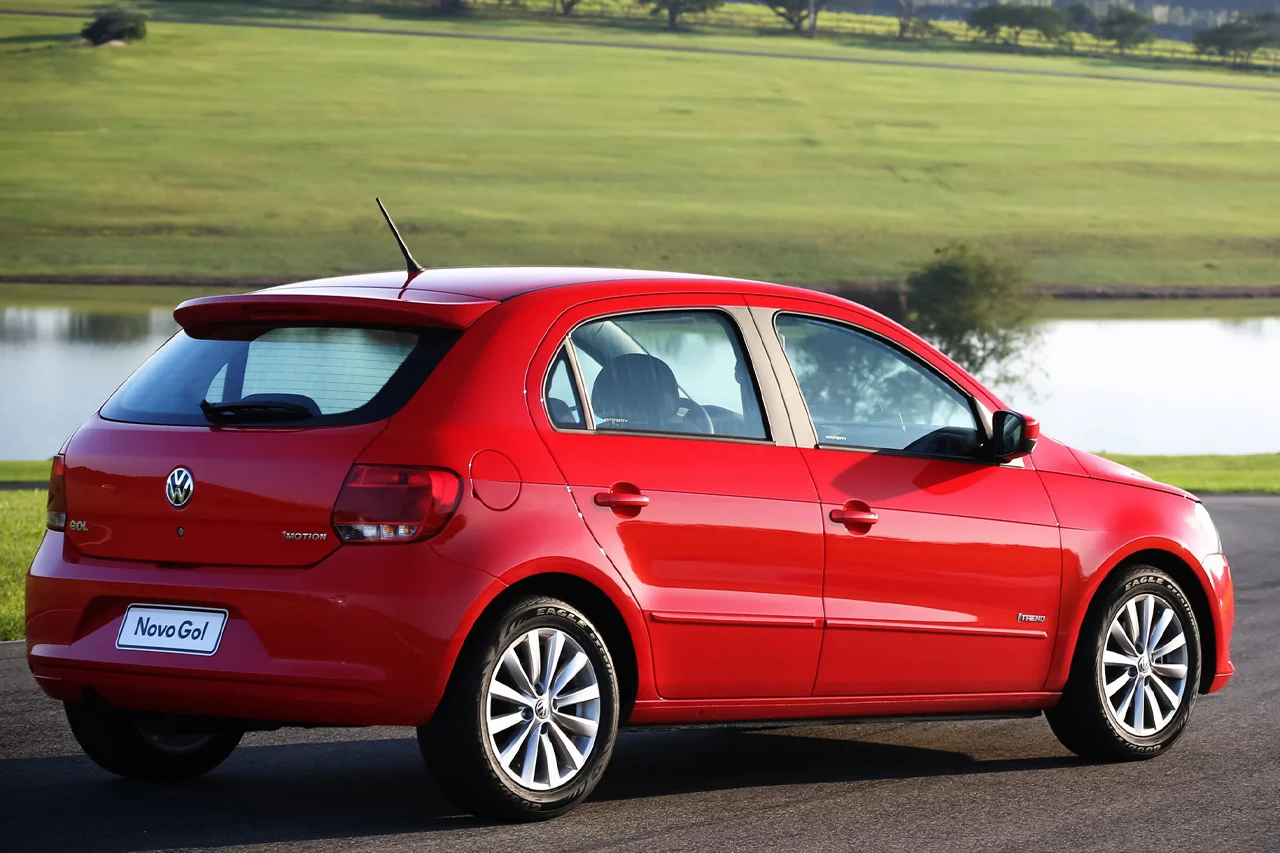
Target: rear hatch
<point>231,444</point>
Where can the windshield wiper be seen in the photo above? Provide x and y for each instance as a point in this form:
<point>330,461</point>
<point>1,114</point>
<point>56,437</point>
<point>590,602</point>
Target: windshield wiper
<point>218,413</point>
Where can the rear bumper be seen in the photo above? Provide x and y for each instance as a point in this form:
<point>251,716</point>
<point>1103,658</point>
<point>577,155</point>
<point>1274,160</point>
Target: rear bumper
<point>361,638</point>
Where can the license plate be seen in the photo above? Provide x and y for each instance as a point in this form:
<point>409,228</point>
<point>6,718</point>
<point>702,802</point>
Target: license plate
<point>177,630</point>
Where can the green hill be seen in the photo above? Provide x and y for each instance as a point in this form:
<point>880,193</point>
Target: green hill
<point>211,151</point>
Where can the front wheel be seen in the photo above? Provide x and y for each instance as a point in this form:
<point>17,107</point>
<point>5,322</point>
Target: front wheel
<point>147,746</point>
<point>1135,673</point>
<point>528,723</point>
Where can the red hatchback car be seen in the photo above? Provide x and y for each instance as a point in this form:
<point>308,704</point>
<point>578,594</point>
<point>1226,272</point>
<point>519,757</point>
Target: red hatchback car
<point>519,508</point>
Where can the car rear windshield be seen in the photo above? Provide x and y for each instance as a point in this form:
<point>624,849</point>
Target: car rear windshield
<point>280,376</point>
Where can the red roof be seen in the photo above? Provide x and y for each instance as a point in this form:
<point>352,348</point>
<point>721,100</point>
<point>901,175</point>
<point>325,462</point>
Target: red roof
<point>490,283</point>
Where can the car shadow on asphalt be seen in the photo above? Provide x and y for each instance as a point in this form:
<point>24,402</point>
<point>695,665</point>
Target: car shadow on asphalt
<point>309,791</point>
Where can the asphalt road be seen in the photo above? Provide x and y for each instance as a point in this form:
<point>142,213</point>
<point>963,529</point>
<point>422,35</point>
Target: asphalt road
<point>1001,785</point>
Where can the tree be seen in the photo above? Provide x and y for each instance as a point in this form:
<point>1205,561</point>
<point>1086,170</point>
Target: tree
<point>1125,27</point>
<point>1238,40</point>
<point>993,20</point>
<point>1049,22</point>
<point>675,8</point>
<point>566,7</point>
<point>988,20</point>
<point>977,309</point>
<point>798,12</point>
<point>1083,19</point>
<point>121,22</point>
<point>906,14</point>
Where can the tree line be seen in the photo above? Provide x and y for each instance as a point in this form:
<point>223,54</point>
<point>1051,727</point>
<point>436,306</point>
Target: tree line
<point>1124,28</point>
<point>1237,41</point>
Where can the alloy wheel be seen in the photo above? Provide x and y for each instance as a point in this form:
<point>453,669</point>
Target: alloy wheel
<point>1144,665</point>
<point>542,709</point>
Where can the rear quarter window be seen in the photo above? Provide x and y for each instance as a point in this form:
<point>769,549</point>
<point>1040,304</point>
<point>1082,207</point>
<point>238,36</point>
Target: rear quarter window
<point>338,374</point>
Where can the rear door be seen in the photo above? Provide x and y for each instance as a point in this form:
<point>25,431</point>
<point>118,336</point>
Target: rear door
<point>942,568</point>
<point>230,445</point>
<point>679,455</point>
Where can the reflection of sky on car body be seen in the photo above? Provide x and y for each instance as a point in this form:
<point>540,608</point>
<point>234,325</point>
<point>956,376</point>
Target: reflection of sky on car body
<point>1129,386</point>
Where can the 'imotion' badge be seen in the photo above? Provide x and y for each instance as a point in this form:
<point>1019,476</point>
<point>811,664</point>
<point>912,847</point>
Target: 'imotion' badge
<point>290,536</point>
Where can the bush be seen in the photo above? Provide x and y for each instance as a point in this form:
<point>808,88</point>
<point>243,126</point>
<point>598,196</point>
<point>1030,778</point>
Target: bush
<point>977,309</point>
<point>120,22</point>
<point>919,28</point>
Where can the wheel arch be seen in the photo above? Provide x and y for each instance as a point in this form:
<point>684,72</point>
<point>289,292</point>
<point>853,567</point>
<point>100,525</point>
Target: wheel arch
<point>1178,567</point>
<point>620,625</point>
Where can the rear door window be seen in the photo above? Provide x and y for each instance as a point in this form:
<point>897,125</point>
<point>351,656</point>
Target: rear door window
<point>280,375</point>
<point>561,395</point>
<point>671,372</point>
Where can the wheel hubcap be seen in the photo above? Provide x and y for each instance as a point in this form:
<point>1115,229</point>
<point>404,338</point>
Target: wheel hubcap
<point>542,709</point>
<point>1144,665</point>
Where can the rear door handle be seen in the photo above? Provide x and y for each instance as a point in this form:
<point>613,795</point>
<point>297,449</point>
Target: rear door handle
<point>624,499</point>
<point>854,514</point>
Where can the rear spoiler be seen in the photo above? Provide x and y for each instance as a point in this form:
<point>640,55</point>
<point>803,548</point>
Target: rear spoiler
<point>371,305</point>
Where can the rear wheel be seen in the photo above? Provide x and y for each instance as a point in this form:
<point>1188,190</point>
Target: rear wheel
<point>147,746</point>
<point>1135,674</point>
<point>528,723</point>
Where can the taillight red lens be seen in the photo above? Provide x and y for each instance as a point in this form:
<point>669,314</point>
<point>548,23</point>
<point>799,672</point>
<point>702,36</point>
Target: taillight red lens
<point>390,503</point>
<point>56,519</point>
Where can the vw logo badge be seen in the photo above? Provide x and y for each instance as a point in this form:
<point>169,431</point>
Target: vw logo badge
<point>179,487</point>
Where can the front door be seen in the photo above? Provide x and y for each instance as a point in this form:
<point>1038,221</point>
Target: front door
<point>687,476</point>
<point>942,569</point>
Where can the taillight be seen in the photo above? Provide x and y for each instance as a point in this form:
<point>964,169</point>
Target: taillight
<point>56,519</point>
<point>390,503</point>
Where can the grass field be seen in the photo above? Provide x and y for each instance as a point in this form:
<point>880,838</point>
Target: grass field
<point>23,470</point>
<point>22,513</point>
<point>21,528</point>
<point>100,298</point>
<point>1254,473</point>
<point>219,151</point>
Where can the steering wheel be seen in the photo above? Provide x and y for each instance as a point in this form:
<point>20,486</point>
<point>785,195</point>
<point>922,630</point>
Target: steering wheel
<point>696,417</point>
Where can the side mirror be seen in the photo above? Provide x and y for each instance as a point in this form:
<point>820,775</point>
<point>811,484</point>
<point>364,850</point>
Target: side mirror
<point>1013,435</point>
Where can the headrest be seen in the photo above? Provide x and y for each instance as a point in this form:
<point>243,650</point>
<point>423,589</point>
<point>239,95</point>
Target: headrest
<point>635,389</point>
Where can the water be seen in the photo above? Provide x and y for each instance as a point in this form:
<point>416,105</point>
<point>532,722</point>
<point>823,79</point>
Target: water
<point>1156,386</point>
<point>1126,386</point>
<point>57,366</point>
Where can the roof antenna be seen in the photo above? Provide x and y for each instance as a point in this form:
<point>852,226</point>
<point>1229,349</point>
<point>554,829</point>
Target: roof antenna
<point>414,266</point>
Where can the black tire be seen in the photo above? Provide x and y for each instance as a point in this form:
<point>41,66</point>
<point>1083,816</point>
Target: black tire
<point>145,746</point>
<point>456,744</point>
<point>1084,720</point>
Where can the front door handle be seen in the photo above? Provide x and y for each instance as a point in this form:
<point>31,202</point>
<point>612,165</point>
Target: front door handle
<point>614,500</point>
<point>624,499</point>
<point>854,514</point>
